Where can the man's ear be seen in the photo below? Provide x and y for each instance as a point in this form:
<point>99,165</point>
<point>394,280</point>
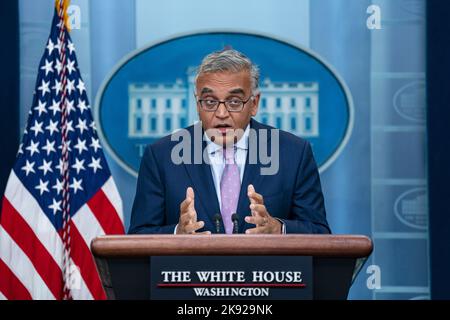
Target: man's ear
<point>254,109</point>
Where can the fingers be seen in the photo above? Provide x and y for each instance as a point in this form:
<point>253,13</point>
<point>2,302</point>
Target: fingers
<point>185,205</point>
<point>188,216</point>
<point>264,224</point>
<point>187,225</point>
<point>257,220</point>
<point>204,232</point>
<point>190,193</point>
<point>250,193</point>
<point>191,197</point>
<point>254,197</point>
<point>188,203</point>
<point>257,230</point>
<point>260,217</point>
<point>259,209</point>
<point>192,227</point>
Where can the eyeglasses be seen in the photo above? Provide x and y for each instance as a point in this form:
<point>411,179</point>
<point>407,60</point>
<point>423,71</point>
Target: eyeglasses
<point>232,105</point>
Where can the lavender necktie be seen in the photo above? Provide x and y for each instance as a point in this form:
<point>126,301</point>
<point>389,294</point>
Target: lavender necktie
<point>230,186</point>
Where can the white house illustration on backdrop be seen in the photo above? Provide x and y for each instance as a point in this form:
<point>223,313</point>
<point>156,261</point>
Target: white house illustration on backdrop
<point>157,109</point>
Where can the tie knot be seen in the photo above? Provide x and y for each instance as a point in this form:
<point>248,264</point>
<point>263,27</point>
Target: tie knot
<point>228,154</point>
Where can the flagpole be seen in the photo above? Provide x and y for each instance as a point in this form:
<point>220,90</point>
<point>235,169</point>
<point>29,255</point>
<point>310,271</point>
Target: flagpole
<point>63,25</point>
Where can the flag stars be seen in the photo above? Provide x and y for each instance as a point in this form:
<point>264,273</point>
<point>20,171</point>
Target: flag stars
<point>81,87</point>
<point>55,206</point>
<point>44,87</point>
<point>50,46</point>
<point>28,167</point>
<point>58,186</point>
<point>81,126</point>
<point>95,144</point>
<point>82,106</point>
<point>46,167</point>
<point>93,126</point>
<point>20,149</point>
<point>41,108</point>
<point>57,87</point>
<point>60,167</point>
<point>71,47</point>
<point>76,185</point>
<point>37,128</point>
<point>58,45</point>
<point>69,106</point>
<point>81,146</point>
<point>55,107</point>
<point>33,147</point>
<point>70,86</point>
<point>49,147</point>
<point>66,144</point>
<point>42,187</point>
<point>68,128</point>
<point>70,66</point>
<point>58,66</point>
<point>79,165</point>
<point>48,140</point>
<point>52,127</point>
<point>48,67</point>
<point>95,164</point>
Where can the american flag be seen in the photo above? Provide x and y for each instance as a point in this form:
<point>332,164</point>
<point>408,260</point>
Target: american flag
<point>60,193</point>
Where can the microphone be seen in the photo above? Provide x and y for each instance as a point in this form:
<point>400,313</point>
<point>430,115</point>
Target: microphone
<point>217,220</point>
<point>235,219</point>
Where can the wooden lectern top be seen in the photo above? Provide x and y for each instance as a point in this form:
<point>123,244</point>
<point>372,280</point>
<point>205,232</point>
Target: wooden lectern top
<point>352,246</point>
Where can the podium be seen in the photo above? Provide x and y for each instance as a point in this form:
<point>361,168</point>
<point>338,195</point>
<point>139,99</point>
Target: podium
<point>126,263</point>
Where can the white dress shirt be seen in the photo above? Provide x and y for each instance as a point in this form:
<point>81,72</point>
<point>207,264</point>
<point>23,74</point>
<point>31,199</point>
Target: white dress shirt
<point>217,161</point>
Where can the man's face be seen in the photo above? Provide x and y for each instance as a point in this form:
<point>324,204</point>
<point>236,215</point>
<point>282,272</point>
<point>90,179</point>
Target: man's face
<point>221,125</point>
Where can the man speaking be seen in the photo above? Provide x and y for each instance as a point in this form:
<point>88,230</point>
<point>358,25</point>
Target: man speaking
<point>230,173</point>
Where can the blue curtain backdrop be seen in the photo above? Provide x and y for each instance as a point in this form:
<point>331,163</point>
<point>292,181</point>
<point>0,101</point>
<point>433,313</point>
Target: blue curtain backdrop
<point>9,88</point>
<point>438,68</point>
<point>378,186</point>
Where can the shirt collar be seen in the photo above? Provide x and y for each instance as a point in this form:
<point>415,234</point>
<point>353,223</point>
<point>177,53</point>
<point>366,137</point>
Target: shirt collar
<point>241,144</point>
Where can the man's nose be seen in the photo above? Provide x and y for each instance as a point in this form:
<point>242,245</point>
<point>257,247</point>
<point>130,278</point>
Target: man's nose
<point>222,111</point>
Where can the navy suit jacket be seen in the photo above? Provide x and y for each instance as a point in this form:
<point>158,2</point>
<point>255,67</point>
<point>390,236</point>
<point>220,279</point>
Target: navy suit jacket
<point>293,195</point>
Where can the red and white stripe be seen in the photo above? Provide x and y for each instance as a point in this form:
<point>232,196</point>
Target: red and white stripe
<point>31,261</point>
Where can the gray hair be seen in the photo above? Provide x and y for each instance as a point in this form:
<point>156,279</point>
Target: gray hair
<point>230,60</point>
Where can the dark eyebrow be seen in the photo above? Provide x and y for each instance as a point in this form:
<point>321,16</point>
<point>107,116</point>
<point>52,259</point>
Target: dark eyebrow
<point>237,91</point>
<point>206,90</point>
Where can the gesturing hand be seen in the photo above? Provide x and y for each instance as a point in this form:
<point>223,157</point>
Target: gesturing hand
<point>188,223</point>
<point>264,222</point>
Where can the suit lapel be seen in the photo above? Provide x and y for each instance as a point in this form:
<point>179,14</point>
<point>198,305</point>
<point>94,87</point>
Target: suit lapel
<point>203,184</point>
<point>252,175</point>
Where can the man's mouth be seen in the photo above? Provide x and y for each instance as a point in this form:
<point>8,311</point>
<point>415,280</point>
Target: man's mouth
<point>223,128</point>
